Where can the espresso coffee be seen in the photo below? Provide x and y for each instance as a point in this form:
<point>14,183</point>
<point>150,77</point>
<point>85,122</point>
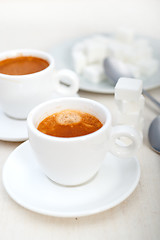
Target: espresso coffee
<point>69,123</point>
<point>22,65</point>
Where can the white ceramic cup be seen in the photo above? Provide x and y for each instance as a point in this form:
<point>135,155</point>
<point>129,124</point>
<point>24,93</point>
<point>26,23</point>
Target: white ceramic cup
<point>73,161</point>
<point>20,93</point>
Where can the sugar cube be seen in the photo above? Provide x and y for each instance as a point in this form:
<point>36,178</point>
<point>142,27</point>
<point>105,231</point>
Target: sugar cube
<point>125,106</point>
<point>94,73</point>
<point>95,50</point>
<point>128,89</point>
<point>79,61</point>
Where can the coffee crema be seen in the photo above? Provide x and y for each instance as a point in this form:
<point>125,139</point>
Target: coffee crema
<point>69,123</point>
<point>22,65</point>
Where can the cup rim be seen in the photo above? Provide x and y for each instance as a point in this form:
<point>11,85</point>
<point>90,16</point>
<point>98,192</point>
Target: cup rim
<point>26,52</point>
<point>38,133</point>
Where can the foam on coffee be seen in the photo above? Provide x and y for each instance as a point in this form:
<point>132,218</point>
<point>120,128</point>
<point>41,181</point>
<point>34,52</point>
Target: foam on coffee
<point>69,123</point>
<point>68,117</point>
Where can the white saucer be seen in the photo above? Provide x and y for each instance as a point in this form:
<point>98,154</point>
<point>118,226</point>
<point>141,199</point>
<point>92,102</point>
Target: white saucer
<point>25,182</point>
<point>14,130</point>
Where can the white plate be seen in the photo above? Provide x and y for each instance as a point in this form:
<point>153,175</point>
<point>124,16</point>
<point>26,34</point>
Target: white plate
<point>14,130</point>
<point>63,59</point>
<point>25,182</point>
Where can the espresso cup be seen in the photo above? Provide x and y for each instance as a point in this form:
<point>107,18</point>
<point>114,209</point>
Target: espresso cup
<point>20,93</point>
<point>75,160</point>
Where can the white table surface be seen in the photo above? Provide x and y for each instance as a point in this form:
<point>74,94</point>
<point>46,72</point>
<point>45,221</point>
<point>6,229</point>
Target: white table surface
<point>41,25</point>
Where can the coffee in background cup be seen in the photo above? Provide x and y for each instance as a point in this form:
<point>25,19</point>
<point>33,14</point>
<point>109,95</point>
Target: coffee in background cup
<point>22,65</point>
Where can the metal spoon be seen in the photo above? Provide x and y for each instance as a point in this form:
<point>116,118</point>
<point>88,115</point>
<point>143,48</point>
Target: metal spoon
<point>154,134</point>
<point>115,69</point>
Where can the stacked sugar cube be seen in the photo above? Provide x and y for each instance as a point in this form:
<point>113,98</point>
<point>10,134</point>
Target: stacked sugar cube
<point>130,102</point>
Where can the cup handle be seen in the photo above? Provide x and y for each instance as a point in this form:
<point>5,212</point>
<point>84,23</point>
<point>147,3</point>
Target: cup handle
<point>117,145</point>
<point>71,82</point>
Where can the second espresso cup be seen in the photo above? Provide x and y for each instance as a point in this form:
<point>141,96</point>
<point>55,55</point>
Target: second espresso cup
<point>74,160</point>
<point>20,93</point>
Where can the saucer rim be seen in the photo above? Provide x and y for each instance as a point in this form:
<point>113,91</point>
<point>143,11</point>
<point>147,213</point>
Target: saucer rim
<point>12,139</point>
<point>68,214</point>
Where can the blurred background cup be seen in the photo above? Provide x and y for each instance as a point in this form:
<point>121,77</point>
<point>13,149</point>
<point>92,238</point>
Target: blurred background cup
<point>20,93</point>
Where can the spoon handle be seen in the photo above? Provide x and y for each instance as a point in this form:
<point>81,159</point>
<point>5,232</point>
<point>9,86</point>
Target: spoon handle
<point>151,98</point>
